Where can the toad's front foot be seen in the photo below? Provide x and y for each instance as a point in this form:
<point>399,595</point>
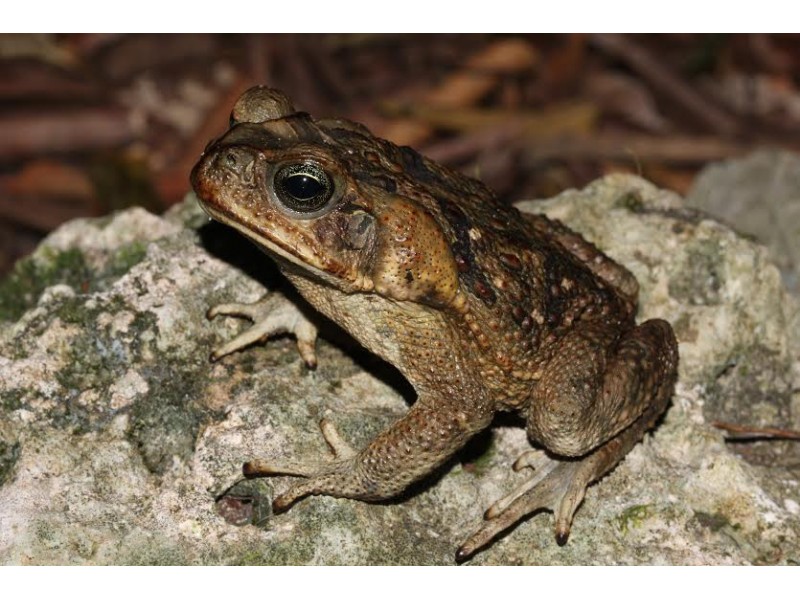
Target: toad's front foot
<point>557,485</point>
<point>272,315</point>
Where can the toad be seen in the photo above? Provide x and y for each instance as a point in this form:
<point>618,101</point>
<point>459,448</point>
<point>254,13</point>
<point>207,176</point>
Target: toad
<point>483,309</point>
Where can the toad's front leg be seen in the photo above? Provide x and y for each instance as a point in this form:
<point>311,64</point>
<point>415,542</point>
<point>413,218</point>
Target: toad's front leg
<point>432,432</point>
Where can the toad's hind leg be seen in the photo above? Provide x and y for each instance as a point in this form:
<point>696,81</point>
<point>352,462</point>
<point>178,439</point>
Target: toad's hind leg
<point>558,485</point>
<point>595,426</point>
<point>428,435</point>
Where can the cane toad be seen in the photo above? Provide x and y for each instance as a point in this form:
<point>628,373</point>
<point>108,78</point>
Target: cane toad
<point>482,309</point>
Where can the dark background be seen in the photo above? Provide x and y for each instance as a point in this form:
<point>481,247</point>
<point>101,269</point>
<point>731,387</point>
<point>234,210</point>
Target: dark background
<point>94,123</point>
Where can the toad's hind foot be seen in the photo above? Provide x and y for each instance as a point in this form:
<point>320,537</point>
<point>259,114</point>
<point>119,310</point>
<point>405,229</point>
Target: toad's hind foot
<point>560,484</point>
<point>340,448</point>
<point>272,315</point>
<point>638,380</point>
<point>557,485</point>
<point>320,475</point>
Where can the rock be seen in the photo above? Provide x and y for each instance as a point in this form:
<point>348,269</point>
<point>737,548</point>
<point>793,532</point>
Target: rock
<point>759,195</point>
<point>121,444</point>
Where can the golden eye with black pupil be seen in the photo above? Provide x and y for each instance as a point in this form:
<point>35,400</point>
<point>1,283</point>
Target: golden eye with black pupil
<point>303,187</point>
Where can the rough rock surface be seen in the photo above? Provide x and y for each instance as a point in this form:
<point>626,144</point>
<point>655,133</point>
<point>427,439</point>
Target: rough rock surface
<point>759,195</point>
<point>121,444</point>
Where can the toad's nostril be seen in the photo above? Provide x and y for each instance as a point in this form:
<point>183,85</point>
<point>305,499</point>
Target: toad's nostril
<point>237,161</point>
<point>249,172</point>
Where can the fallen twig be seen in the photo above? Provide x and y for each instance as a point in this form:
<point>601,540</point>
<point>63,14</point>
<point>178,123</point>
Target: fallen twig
<point>670,149</point>
<point>66,130</point>
<point>575,117</point>
<point>464,147</point>
<point>665,81</point>
<point>736,432</point>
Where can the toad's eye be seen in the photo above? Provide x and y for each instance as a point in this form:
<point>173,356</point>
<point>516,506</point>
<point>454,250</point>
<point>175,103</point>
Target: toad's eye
<point>303,187</point>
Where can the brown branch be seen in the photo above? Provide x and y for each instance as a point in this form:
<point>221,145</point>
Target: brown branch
<point>464,147</point>
<point>671,149</point>
<point>25,80</point>
<point>574,117</point>
<point>665,81</point>
<point>67,130</point>
<point>745,432</point>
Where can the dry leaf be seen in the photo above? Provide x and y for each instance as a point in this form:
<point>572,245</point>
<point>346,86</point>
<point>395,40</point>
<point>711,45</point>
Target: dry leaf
<point>482,72</point>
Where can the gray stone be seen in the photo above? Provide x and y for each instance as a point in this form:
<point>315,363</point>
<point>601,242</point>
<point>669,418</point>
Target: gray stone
<point>759,195</point>
<point>121,444</point>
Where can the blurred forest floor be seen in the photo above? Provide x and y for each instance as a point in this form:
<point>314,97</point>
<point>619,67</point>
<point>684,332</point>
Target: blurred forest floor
<point>94,123</point>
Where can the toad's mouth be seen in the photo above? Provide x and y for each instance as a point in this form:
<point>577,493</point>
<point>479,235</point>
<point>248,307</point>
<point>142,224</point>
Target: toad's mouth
<point>277,248</point>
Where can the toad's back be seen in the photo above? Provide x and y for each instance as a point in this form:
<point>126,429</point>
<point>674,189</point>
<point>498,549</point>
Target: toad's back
<point>527,279</point>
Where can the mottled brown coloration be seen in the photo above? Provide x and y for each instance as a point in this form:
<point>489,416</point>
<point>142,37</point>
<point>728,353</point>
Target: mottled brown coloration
<point>481,308</point>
